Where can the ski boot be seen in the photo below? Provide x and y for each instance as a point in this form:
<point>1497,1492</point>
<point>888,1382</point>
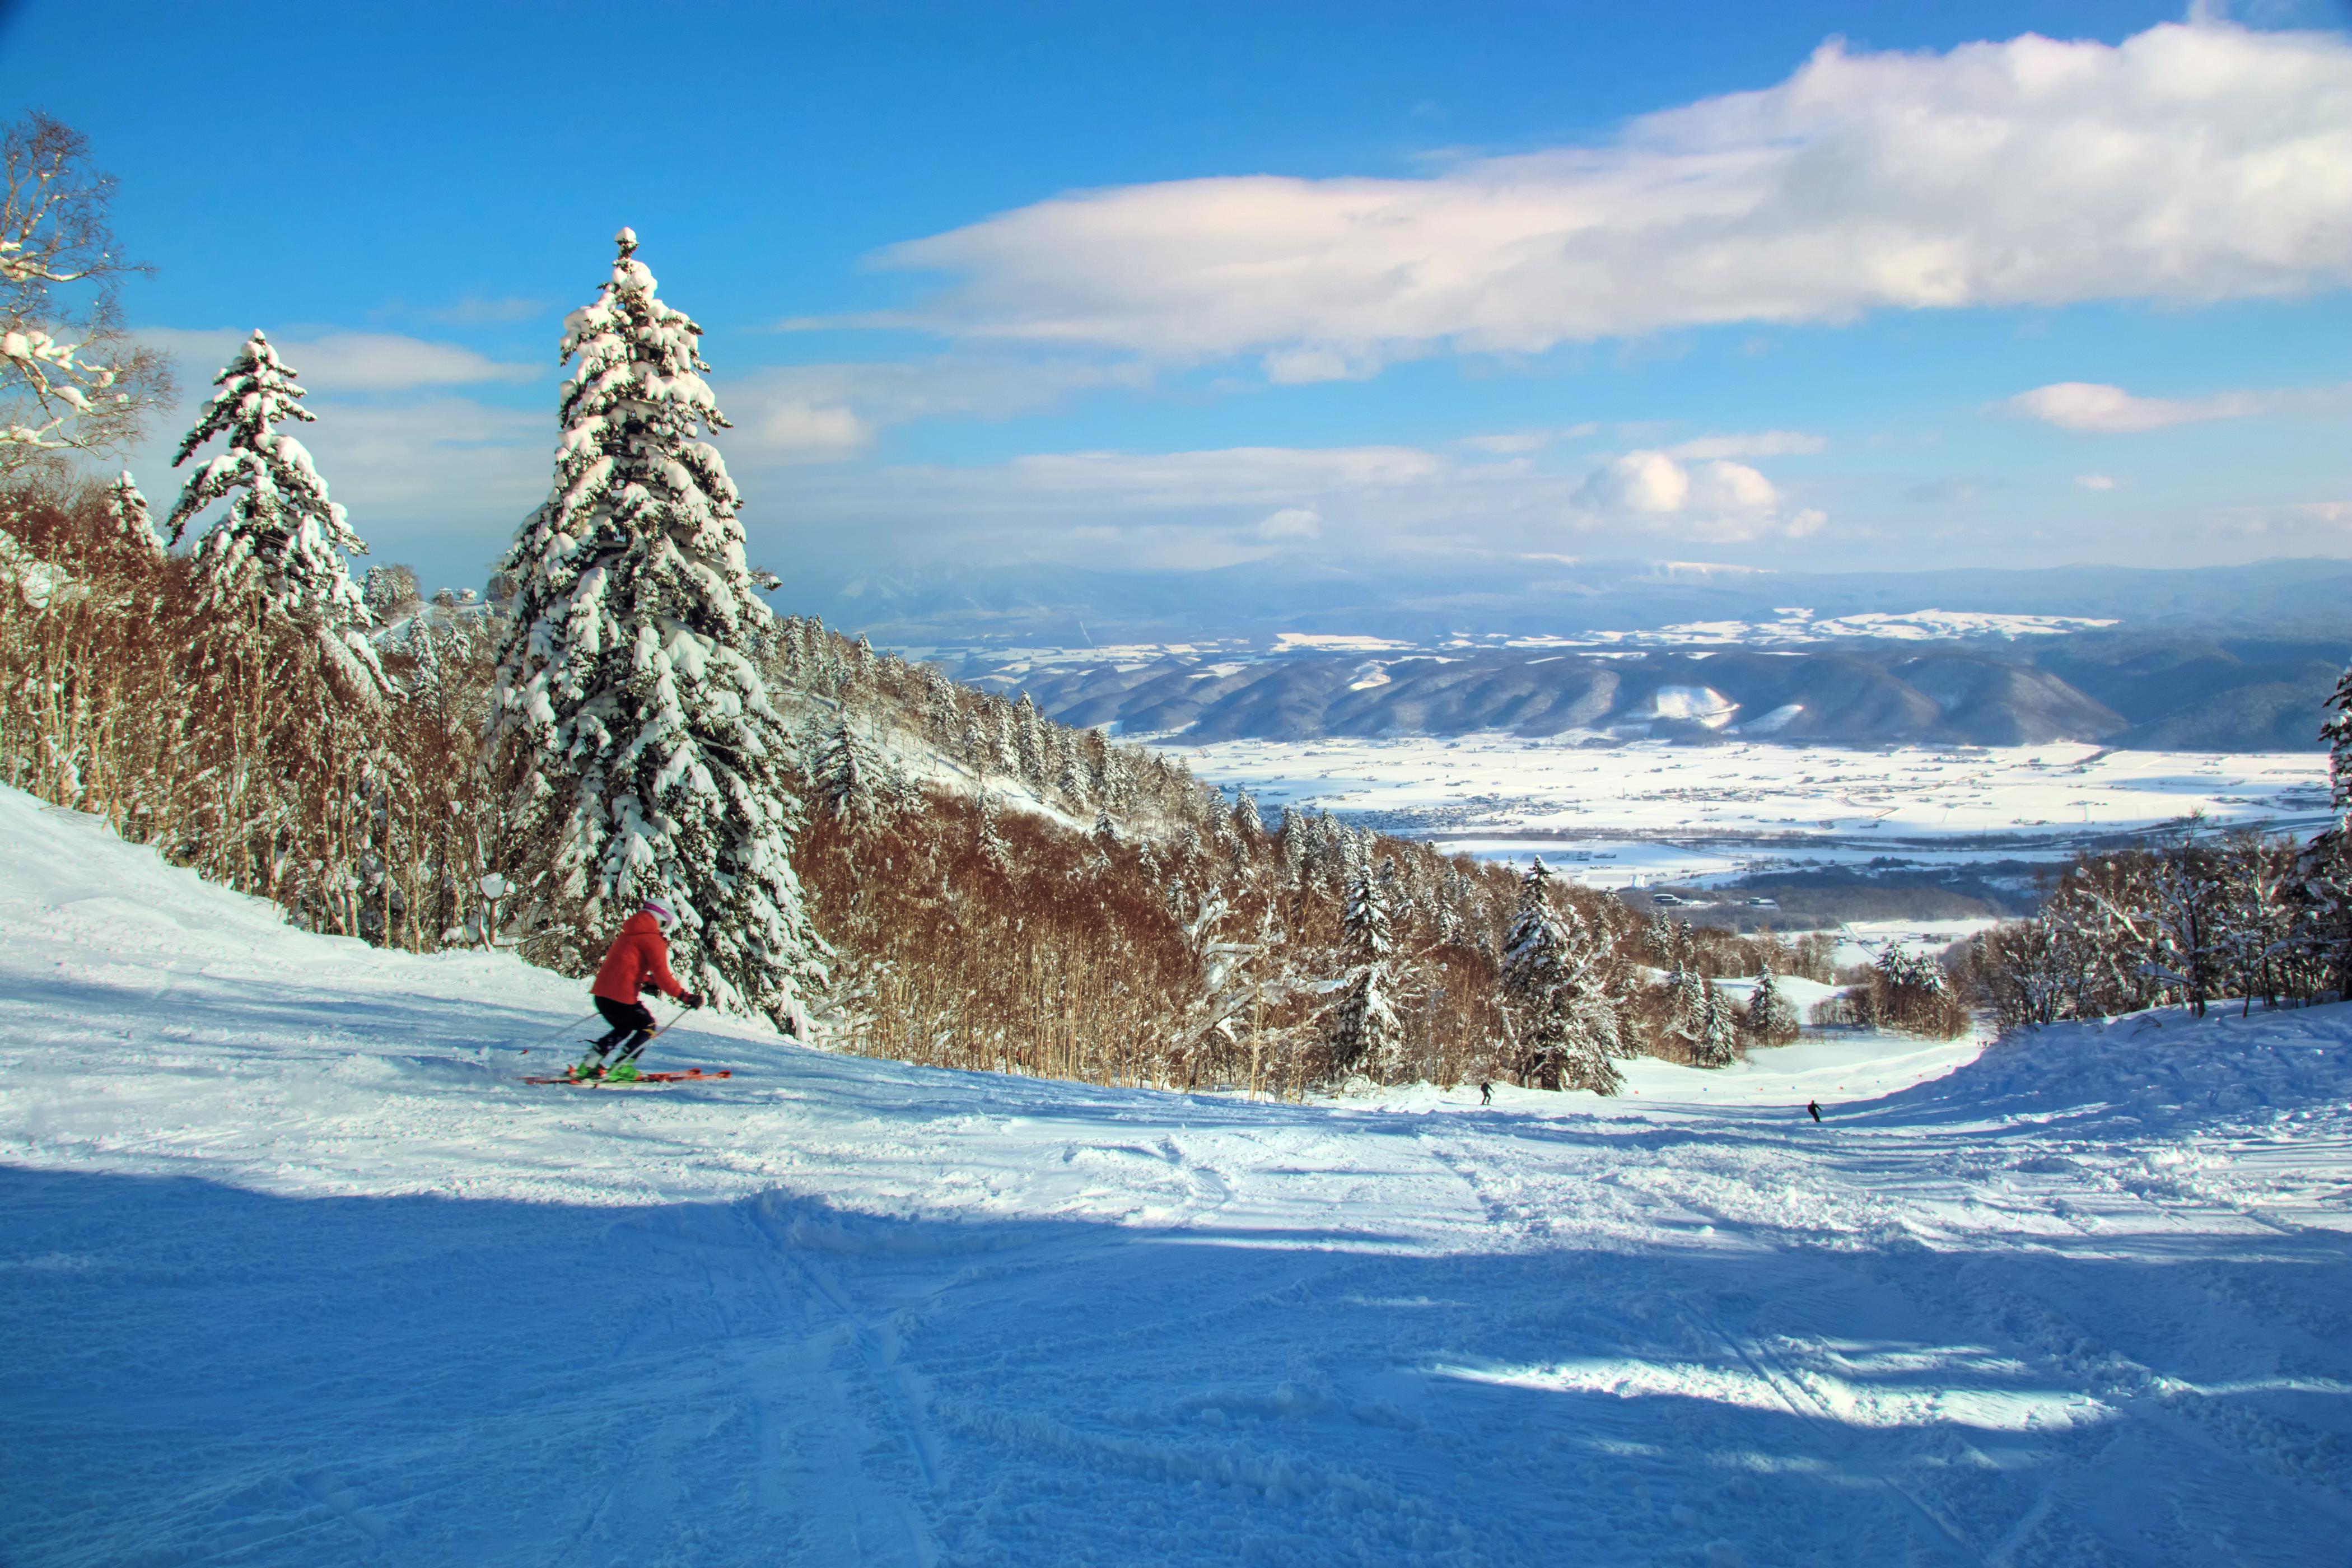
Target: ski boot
<point>624,1071</point>
<point>591,1067</point>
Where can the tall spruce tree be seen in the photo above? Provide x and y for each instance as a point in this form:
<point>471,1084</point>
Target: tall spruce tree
<point>1365,1032</point>
<point>281,537</point>
<point>1770,1018</point>
<point>1566,1024</point>
<point>1716,1043</point>
<point>126,509</point>
<point>849,779</point>
<point>2338,733</point>
<point>644,755</point>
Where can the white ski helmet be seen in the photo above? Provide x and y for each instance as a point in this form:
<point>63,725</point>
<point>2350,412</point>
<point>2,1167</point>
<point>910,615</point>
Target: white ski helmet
<point>659,910</point>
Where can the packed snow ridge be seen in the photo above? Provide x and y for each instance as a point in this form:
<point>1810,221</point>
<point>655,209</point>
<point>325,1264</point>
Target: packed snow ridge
<point>300,1272</point>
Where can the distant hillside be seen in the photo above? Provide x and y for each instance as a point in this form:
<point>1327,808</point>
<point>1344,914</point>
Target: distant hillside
<point>2123,688</point>
<point>1039,605</point>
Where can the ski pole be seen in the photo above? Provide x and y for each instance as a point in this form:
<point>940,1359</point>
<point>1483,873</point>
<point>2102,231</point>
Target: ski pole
<point>633,1052</point>
<point>566,1029</point>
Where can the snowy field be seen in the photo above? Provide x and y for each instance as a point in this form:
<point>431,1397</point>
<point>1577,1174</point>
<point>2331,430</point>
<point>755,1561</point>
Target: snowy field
<point>1649,811</point>
<point>298,1272</point>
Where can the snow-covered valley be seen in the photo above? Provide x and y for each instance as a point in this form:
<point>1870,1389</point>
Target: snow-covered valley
<point>300,1272</point>
<point>1612,817</point>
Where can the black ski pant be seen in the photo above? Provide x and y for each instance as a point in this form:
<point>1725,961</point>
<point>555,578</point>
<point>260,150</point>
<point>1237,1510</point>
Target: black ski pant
<point>632,1023</point>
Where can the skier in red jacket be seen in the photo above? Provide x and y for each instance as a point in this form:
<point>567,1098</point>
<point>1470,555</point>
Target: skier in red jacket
<point>638,957</point>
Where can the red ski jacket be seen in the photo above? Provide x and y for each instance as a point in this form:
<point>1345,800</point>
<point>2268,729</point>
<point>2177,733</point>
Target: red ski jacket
<point>638,955</point>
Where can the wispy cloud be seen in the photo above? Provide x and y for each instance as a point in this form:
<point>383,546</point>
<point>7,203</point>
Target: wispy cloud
<point>1755,443</point>
<point>1337,499</point>
<point>2188,163</point>
<point>826,413</point>
<point>2095,408</point>
<point>345,361</point>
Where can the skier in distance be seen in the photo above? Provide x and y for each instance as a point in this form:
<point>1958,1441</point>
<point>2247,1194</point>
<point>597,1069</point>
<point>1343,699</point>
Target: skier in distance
<point>1815,1106</point>
<point>638,956</point>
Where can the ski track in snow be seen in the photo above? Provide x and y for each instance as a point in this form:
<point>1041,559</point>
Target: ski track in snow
<point>299,1272</point>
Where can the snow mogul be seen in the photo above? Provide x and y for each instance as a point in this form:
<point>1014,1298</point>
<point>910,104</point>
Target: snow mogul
<point>639,956</point>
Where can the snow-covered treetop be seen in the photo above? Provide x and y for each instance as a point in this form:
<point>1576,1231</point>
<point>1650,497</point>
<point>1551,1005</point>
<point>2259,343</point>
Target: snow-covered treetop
<point>281,534</point>
<point>127,510</point>
<point>256,393</point>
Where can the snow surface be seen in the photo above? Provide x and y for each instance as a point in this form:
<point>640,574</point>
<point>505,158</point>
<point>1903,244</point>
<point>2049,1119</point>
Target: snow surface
<point>298,1272</point>
<point>1801,626</point>
<point>1619,814</point>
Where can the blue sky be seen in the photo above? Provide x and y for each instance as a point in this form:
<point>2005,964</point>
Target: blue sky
<point>1815,286</point>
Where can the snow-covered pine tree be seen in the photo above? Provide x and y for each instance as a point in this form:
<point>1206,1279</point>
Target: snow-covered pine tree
<point>1290,842</point>
<point>1567,1027</point>
<point>1246,821</point>
<point>1115,784</point>
<point>1365,1032</point>
<point>644,755</point>
<point>1072,777</point>
<point>1029,741</point>
<point>1106,834</point>
<point>1004,740</point>
<point>849,780</point>
<point>2338,733</point>
<point>126,509</point>
<point>1684,987</point>
<point>1770,1020</point>
<point>988,831</point>
<point>1661,939</point>
<point>281,536</point>
<point>1716,1041</point>
<point>940,716</point>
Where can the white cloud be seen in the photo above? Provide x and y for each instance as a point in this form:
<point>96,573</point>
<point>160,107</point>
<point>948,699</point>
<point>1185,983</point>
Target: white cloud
<point>823,413</point>
<point>1231,476</point>
<point>1510,443</point>
<point>2094,408</point>
<point>2188,163</point>
<point>1731,486</point>
<point>796,431</point>
<point>344,362</point>
<point>1303,367</point>
<point>2095,481</point>
<point>1292,522</point>
<point>1638,482</point>
<point>1719,501</point>
<point>1755,443</point>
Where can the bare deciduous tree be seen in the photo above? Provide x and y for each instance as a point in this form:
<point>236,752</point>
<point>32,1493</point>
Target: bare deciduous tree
<point>71,379</point>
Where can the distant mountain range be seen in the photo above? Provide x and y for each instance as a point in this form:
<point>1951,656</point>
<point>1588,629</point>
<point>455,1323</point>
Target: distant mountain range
<point>2125,689</point>
<point>2226,658</point>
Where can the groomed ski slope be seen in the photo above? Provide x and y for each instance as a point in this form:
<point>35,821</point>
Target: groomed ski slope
<point>295,1271</point>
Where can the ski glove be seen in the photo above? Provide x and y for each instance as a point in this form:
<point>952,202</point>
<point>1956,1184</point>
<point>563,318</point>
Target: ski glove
<point>692,999</point>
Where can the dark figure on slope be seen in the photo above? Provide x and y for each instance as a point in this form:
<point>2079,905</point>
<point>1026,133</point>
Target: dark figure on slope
<point>1815,1106</point>
<point>1486,1093</point>
<point>638,957</point>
